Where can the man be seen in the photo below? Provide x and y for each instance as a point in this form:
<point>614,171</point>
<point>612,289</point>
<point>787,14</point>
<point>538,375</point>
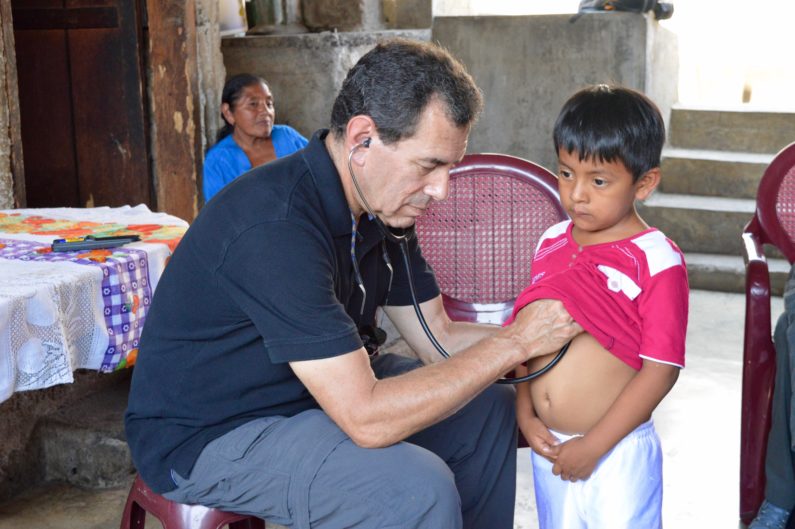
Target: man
<point>253,391</point>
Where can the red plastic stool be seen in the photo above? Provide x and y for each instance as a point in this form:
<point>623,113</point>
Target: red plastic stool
<point>172,515</point>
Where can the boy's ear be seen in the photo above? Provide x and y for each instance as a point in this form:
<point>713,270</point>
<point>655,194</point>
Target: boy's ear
<point>647,183</point>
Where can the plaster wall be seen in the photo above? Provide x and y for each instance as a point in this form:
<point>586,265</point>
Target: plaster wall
<point>527,66</point>
<point>211,69</point>
<point>304,71</point>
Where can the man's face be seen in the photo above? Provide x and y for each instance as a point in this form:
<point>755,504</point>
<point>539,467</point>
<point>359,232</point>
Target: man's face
<point>400,180</point>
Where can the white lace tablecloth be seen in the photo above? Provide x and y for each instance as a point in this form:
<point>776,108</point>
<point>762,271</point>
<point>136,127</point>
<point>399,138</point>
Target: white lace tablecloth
<point>64,311</point>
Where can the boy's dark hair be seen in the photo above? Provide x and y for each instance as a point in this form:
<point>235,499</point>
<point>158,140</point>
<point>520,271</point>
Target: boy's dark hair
<point>611,123</point>
<point>395,81</point>
<point>231,93</point>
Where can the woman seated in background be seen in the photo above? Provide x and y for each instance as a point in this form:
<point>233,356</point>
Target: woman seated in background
<point>249,137</point>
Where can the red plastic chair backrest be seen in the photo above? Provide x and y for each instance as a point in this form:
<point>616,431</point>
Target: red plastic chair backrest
<point>480,240</point>
<point>775,204</point>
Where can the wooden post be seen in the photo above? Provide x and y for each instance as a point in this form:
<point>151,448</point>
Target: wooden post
<point>174,103</point>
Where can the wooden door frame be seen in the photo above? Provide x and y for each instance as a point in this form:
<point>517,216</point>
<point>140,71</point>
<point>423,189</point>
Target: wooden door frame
<point>174,107</point>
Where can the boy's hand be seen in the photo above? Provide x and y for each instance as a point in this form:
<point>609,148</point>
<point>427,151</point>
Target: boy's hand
<point>539,437</point>
<point>575,459</point>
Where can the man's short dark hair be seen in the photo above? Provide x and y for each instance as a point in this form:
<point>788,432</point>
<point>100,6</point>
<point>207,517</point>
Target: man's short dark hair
<point>611,123</point>
<point>394,82</point>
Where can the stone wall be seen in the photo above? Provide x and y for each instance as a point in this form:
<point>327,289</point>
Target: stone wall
<point>20,451</point>
<point>305,71</point>
<point>528,66</point>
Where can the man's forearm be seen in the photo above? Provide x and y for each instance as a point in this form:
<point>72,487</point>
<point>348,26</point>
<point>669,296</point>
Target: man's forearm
<point>381,412</point>
<point>403,405</point>
<point>453,335</point>
<point>457,336</point>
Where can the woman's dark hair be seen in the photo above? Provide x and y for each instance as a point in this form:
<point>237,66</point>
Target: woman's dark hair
<point>611,123</point>
<point>395,81</point>
<point>232,91</point>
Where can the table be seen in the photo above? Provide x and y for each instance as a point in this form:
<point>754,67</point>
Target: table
<point>61,311</point>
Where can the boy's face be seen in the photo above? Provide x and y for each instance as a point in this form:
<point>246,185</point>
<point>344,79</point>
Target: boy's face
<point>600,197</point>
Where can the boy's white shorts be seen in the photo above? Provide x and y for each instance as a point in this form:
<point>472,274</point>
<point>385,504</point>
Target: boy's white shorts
<point>624,491</point>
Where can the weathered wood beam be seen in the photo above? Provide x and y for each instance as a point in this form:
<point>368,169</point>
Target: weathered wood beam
<point>174,103</point>
<point>12,168</point>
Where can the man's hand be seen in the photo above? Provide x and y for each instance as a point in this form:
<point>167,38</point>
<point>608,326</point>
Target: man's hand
<point>575,459</point>
<point>543,327</point>
<point>538,437</point>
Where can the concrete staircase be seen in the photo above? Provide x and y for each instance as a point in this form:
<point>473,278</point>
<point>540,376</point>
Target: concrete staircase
<point>711,170</point>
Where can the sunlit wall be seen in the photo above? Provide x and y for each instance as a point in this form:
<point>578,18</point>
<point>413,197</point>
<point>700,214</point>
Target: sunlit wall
<point>732,52</point>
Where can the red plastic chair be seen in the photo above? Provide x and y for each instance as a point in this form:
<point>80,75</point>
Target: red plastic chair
<point>172,515</point>
<point>773,223</point>
<point>480,241</point>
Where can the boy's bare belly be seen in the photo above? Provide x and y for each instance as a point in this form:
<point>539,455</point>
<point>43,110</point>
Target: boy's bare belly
<point>577,392</point>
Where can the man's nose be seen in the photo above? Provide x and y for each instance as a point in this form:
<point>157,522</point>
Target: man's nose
<point>439,186</point>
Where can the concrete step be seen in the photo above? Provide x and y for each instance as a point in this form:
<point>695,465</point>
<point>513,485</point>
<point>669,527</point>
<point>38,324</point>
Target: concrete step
<point>710,225</point>
<point>741,129</point>
<point>84,444</point>
<point>712,173</point>
<point>726,273</point>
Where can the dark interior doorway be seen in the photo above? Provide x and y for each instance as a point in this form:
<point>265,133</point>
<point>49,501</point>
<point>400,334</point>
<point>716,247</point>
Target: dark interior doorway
<point>84,126</point>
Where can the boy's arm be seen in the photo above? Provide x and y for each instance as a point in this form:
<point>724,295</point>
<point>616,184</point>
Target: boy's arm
<point>577,458</point>
<point>533,429</point>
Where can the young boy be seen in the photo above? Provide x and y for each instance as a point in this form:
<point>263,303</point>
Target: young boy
<point>596,457</point>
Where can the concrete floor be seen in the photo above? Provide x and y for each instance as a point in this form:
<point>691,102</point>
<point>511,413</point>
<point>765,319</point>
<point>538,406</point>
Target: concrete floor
<point>699,423</point>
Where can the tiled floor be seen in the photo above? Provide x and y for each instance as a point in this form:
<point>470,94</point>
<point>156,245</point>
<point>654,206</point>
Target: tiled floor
<point>699,423</point>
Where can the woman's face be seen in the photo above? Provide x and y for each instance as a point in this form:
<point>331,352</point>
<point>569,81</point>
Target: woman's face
<point>252,114</point>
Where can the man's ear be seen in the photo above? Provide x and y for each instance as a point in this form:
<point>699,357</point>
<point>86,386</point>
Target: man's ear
<point>359,129</point>
<point>647,184</point>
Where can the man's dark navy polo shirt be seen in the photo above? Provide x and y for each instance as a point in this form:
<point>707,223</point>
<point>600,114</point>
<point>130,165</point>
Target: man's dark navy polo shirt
<point>263,277</point>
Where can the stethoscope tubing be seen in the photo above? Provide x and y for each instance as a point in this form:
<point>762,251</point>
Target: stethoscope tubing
<point>402,241</point>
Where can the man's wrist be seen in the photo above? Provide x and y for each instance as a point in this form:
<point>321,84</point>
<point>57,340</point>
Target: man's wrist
<point>513,348</point>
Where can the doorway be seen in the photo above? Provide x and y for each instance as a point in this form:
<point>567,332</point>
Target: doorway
<point>81,99</point>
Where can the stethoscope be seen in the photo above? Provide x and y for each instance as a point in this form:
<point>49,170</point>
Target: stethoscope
<point>401,237</point>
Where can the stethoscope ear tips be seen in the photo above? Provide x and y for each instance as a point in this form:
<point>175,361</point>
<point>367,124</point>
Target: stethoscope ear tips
<point>366,143</point>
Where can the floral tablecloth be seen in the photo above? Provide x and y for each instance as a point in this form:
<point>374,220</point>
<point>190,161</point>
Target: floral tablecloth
<point>61,311</point>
